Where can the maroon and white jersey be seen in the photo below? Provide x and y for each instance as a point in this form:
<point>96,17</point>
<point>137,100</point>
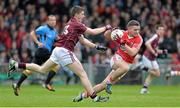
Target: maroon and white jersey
<point>154,43</point>
<point>71,33</point>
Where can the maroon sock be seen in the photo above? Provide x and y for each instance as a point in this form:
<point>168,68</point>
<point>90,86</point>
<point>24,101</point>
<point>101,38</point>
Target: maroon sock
<point>93,95</point>
<point>22,65</point>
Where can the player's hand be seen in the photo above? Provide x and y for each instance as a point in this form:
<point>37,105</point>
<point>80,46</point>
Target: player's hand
<point>108,27</point>
<point>40,44</point>
<point>165,51</point>
<point>159,51</point>
<point>156,54</point>
<point>101,48</point>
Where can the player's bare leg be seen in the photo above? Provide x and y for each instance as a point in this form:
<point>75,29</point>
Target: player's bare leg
<point>25,74</point>
<point>102,86</point>
<point>99,87</point>
<point>77,68</point>
<point>107,83</point>
<point>46,67</point>
<point>13,65</point>
<point>120,69</point>
<point>148,80</point>
<point>30,67</point>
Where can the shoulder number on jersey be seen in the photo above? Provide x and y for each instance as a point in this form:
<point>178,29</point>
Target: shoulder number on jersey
<point>65,31</point>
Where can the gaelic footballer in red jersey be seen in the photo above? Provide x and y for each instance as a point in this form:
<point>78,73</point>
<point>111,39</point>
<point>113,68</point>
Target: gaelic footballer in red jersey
<point>63,52</point>
<point>129,45</point>
<point>149,57</point>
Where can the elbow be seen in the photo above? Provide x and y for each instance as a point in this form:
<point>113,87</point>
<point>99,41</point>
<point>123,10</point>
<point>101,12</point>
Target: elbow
<point>32,33</point>
<point>147,44</point>
<point>81,41</point>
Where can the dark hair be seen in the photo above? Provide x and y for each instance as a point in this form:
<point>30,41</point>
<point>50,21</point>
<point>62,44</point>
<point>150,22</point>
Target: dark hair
<point>133,23</point>
<point>158,25</point>
<point>51,16</point>
<point>76,10</point>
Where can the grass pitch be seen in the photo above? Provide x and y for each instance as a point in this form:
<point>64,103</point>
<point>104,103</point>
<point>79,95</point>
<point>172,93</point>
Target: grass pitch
<point>123,96</point>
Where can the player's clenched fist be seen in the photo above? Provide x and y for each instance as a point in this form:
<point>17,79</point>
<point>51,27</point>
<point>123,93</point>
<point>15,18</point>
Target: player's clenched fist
<point>101,48</point>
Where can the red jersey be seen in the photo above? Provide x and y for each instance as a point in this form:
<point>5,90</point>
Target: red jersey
<point>133,42</point>
<point>154,43</point>
<point>71,33</point>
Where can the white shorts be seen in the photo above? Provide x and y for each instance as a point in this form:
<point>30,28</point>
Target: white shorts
<point>62,56</point>
<point>151,64</point>
<point>116,57</point>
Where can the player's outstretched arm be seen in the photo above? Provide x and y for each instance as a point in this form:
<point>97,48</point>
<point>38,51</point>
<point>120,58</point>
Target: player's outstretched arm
<point>88,43</point>
<point>97,31</point>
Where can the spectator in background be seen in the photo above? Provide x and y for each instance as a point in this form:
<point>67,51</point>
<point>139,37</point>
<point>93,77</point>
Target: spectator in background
<point>5,39</point>
<point>178,42</point>
<point>3,56</point>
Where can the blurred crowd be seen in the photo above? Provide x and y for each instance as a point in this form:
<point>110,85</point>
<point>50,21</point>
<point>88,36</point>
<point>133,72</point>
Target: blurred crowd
<point>19,17</point>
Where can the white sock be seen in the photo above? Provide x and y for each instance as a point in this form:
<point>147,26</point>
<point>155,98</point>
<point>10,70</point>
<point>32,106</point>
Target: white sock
<point>16,65</point>
<point>83,95</point>
<point>96,98</point>
<point>173,73</point>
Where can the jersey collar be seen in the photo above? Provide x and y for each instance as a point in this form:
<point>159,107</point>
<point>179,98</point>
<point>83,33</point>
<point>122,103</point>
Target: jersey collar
<point>51,28</point>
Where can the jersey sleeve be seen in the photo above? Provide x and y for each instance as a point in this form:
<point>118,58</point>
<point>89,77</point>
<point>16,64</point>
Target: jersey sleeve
<point>40,30</point>
<point>81,28</point>
<point>152,38</point>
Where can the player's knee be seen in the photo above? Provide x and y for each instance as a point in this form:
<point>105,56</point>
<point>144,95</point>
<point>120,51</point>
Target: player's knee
<point>27,72</point>
<point>122,66</point>
<point>125,68</point>
<point>56,68</point>
<point>158,74</point>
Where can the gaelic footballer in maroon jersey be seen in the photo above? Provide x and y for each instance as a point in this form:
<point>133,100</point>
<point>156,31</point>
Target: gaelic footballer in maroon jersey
<point>70,36</point>
<point>63,52</point>
<point>149,57</point>
<point>154,43</point>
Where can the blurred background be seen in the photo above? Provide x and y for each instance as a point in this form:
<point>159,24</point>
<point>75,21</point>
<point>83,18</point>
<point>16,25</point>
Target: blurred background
<point>19,17</point>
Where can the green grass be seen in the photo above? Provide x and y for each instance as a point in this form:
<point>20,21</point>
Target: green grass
<point>123,96</point>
